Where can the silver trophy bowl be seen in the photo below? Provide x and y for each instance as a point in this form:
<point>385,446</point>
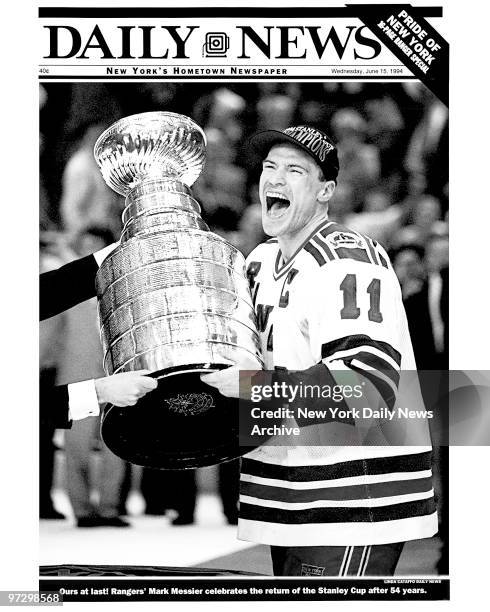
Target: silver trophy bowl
<point>173,298</point>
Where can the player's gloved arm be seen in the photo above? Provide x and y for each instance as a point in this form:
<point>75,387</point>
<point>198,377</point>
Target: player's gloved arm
<point>322,393</point>
<point>238,380</point>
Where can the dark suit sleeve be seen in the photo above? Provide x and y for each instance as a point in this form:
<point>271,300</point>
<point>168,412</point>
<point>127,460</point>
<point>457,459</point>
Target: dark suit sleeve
<point>67,286</point>
<point>53,403</point>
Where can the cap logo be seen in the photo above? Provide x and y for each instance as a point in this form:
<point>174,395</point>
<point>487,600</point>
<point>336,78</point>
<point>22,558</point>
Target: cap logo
<point>312,139</point>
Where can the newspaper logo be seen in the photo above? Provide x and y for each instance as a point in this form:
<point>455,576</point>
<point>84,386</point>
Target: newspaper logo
<point>216,44</point>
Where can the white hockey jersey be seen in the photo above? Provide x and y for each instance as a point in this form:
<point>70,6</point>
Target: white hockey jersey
<point>336,301</point>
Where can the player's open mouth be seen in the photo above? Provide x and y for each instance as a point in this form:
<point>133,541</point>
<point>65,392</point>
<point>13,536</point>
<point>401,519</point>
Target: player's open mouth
<point>277,203</point>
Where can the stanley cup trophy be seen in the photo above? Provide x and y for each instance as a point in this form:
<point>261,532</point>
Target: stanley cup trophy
<point>173,298</point>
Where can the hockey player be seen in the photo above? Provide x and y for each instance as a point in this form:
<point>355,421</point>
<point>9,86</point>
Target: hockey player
<point>328,303</point>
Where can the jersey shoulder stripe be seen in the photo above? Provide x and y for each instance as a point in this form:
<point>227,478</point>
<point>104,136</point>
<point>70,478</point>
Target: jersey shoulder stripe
<point>350,253</point>
<point>315,252</point>
<point>281,268</point>
<point>381,254</point>
<point>372,251</point>
<point>323,246</point>
<point>384,263</point>
<point>345,243</point>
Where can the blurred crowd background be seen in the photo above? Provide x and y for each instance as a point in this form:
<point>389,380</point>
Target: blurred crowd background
<point>393,182</point>
<point>393,185</point>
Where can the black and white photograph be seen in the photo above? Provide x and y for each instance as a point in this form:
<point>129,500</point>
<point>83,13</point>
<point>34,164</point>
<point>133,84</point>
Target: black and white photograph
<point>386,185</point>
<point>242,244</point>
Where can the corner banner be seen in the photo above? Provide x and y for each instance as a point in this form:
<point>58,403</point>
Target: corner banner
<point>412,40</point>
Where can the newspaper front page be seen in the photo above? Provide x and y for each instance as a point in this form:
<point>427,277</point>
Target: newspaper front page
<point>373,78</point>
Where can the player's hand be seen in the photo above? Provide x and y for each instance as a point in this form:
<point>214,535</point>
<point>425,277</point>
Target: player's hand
<point>124,389</point>
<point>236,380</point>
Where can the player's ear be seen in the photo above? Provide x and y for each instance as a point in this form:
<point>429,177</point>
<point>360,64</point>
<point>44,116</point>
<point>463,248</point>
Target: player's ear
<point>326,192</point>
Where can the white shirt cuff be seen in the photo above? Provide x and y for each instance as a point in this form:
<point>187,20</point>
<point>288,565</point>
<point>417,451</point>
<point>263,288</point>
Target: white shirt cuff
<point>82,400</point>
<point>103,253</point>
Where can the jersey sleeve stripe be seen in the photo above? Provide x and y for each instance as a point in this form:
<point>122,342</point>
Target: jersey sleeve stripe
<point>342,355</point>
<point>384,381</point>
<point>375,372</point>
<point>384,388</point>
<point>344,469</point>
<point>380,364</point>
<point>365,514</point>
<point>381,489</point>
<point>329,349</point>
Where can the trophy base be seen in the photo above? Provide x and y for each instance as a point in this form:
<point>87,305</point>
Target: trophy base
<point>182,424</point>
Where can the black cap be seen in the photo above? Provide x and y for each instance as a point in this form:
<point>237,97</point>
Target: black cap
<point>315,142</point>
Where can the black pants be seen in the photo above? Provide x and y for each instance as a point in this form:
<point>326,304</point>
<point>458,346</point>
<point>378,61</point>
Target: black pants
<point>376,560</point>
<point>229,481</point>
<point>163,489</point>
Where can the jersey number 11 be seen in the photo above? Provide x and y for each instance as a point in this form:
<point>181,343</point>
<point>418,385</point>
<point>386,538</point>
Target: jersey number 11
<point>350,310</point>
